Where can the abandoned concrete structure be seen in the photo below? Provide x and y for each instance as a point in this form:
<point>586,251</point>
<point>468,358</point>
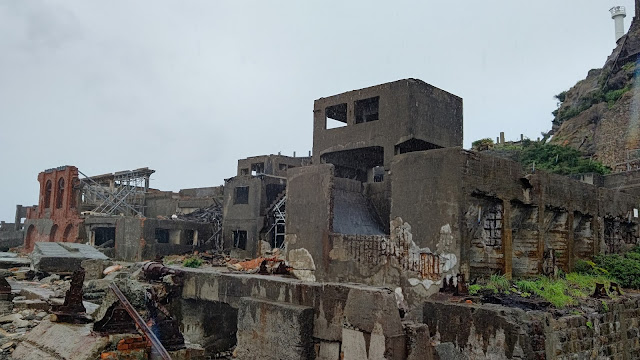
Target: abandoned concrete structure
<point>254,203</point>
<point>390,212</point>
<point>439,212</point>
<point>110,211</point>
<point>382,121</point>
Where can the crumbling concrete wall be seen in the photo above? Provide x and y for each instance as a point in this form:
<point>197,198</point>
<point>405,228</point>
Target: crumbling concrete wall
<point>496,332</point>
<point>509,222</point>
<point>358,321</point>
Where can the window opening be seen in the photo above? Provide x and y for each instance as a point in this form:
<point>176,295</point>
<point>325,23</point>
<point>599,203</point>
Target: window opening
<point>162,236</point>
<point>60,193</point>
<point>367,110</point>
<point>257,168</point>
<point>47,194</point>
<point>240,239</point>
<point>241,195</point>
<point>105,236</point>
<point>335,116</point>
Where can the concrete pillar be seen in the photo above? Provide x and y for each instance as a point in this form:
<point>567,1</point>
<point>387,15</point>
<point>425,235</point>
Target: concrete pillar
<point>507,239</point>
<point>501,137</point>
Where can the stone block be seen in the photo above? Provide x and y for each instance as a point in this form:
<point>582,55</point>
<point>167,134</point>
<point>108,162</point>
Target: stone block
<point>94,267</point>
<point>52,257</point>
<point>274,330</point>
<point>31,304</point>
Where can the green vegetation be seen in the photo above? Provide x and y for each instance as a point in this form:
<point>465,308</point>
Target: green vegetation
<point>629,66</point>
<point>192,262</point>
<point>482,143</point>
<point>589,324</point>
<point>559,292</point>
<point>624,268</point>
<point>562,96</point>
<point>558,159</point>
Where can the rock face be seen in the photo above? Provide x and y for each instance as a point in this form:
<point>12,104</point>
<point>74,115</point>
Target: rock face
<point>600,115</point>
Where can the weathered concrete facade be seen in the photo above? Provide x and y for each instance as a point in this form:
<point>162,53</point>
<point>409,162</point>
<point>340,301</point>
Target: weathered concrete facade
<point>382,121</point>
<point>439,214</point>
<point>252,201</point>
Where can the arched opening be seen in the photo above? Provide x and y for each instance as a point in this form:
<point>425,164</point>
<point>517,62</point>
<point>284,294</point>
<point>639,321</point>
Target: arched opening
<point>60,193</point>
<point>66,233</point>
<point>52,234</point>
<point>47,194</point>
<point>30,239</point>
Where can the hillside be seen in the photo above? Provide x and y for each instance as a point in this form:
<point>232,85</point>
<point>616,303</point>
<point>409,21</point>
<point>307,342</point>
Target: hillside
<point>599,115</point>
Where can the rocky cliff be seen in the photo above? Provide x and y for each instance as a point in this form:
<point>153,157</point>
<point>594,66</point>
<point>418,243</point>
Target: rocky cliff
<point>600,114</point>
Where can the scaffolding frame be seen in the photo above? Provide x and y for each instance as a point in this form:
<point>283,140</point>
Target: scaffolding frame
<point>123,192</point>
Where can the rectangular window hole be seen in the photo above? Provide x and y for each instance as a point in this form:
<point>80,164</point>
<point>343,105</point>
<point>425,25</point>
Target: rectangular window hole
<point>335,116</point>
<point>367,110</point>
<point>240,239</point>
<point>162,236</point>
<point>257,168</point>
<point>241,195</point>
<point>104,236</point>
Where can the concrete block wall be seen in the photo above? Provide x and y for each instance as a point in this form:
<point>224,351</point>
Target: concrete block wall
<point>496,332</point>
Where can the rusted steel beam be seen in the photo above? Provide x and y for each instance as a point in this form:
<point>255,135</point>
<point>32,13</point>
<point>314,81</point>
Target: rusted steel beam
<point>155,343</point>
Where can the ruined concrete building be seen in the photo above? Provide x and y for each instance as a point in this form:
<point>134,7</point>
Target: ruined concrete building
<point>117,212</point>
<point>254,203</point>
<point>436,212</point>
<point>386,212</point>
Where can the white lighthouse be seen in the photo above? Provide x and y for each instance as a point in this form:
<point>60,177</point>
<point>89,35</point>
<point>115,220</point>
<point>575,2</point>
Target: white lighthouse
<point>618,13</point>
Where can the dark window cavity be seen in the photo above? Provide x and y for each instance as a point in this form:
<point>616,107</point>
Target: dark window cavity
<point>367,110</point>
<point>105,236</point>
<point>60,194</point>
<point>241,195</point>
<point>47,194</point>
<point>162,236</point>
<point>240,239</point>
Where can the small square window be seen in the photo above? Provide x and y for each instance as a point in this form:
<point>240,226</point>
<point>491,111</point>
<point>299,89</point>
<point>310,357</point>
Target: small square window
<point>240,239</point>
<point>244,171</point>
<point>257,168</point>
<point>367,110</point>
<point>335,116</point>
<point>283,167</point>
<point>241,195</point>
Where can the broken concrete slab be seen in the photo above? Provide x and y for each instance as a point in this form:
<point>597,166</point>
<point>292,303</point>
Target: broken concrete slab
<point>60,341</point>
<point>11,262</point>
<point>271,330</point>
<point>31,304</point>
<point>60,258</point>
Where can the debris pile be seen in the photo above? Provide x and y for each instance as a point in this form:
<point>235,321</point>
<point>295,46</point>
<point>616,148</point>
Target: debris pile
<point>211,215</point>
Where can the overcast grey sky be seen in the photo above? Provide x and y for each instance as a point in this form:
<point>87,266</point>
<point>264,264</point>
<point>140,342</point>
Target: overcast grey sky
<point>188,87</point>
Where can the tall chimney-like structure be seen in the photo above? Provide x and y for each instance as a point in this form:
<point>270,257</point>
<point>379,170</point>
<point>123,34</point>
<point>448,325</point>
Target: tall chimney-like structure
<point>618,13</point>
